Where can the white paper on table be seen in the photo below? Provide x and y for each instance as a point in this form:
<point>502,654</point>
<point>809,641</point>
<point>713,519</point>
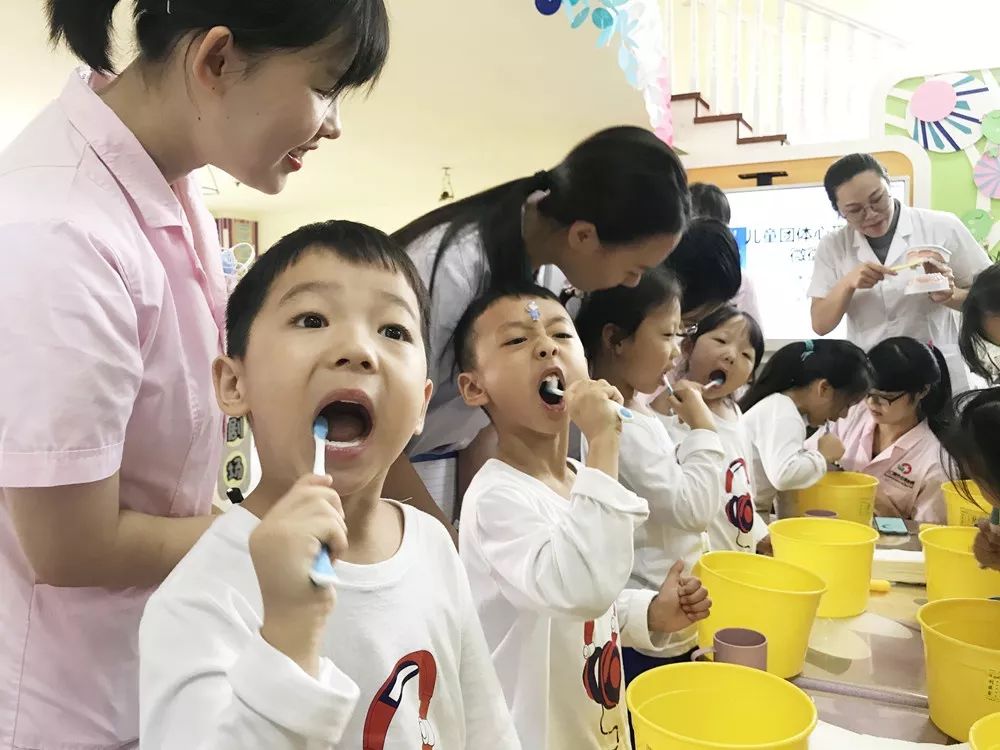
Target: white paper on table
<point>828,737</point>
<point>899,566</point>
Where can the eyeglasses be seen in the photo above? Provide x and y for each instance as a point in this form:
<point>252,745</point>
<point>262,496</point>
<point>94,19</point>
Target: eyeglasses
<point>879,204</point>
<point>882,400</point>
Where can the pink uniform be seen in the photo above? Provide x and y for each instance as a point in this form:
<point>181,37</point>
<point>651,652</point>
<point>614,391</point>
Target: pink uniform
<point>909,471</point>
<point>111,311</point>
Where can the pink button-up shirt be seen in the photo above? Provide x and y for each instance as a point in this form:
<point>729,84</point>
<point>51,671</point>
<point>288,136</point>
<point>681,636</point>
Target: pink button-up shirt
<point>111,311</point>
<point>909,471</point>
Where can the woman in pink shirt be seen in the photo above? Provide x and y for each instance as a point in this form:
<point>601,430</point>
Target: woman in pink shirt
<point>895,435</point>
<point>110,437</point>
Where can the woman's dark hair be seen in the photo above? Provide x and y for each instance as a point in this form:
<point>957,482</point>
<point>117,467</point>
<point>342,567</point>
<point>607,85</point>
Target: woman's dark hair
<point>258,26</point>
<point>972,442</point>
<point>624,308</point>
<point>903,364</point>
<point>847,168</point>
<point>709,202</point>
<point>722,316</point>
<point>707,262</point>
<point>842,364</point>
<point>983,300</point>
<point>625,181</point>
<point>463,340</point>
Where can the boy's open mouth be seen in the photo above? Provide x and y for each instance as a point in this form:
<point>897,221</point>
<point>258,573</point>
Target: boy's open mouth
<point>551,387</point>
<point>349,418</point>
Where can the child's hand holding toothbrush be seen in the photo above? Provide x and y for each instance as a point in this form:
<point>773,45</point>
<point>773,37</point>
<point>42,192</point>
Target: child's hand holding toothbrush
<point>685,399</point>
<point>831,448</point>
<point>594,406</point>
<point>283,547</point>
<point>987,544</point>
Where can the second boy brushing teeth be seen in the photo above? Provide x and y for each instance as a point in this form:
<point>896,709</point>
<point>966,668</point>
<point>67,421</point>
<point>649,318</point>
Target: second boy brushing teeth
<point>546,541</point>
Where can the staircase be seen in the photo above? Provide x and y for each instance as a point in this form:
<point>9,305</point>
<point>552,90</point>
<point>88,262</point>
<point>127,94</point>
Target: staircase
<point>765,64</point>
<point>696,128</point>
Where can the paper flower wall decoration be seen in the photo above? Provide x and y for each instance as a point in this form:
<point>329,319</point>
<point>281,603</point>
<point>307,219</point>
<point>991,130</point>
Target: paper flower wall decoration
<point>944,114</point>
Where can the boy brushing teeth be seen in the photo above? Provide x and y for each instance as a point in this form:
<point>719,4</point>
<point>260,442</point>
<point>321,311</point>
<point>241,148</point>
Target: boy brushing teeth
<point>238,647</point>
<point>546,541</point>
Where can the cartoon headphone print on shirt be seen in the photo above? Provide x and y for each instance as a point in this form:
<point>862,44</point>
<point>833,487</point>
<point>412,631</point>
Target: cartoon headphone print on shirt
<point>739,508</point>
<point>602,671</point>
<point>418,664</point>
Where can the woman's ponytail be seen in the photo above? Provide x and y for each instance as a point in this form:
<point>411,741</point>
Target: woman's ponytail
<point>85,25</point>
<point>937,404</point>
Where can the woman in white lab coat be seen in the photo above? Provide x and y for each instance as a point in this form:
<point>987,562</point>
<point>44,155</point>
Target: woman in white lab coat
<point>852,275</point>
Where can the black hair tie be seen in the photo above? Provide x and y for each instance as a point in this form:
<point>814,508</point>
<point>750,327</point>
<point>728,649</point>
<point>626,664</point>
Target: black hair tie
<point>541,181</point>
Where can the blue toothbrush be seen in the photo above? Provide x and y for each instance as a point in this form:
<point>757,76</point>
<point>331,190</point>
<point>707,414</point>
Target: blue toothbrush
<point>322,569</point>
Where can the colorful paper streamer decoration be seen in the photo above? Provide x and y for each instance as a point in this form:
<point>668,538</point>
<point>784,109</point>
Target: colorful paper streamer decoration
<point>944,114</point>
<point>987,176</point>
<point>979,222</point>
<point>641,52</point>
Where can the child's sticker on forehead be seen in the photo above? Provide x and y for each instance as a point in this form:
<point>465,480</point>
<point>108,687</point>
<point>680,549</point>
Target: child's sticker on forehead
<point>533,312</point>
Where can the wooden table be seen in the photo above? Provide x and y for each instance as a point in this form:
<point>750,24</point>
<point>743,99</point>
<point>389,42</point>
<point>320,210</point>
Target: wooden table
<point>882,648</point>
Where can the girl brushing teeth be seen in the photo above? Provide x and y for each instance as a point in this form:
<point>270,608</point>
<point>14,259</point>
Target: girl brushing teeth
<point>723,354</point>
<point>632,339</point>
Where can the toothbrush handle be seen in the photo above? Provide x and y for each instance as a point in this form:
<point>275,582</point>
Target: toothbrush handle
<point>322,573</point>
<point>624,414</point>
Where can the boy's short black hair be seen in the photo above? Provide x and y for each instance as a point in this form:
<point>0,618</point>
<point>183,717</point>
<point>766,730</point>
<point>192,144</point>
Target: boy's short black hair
<point>356,243</point>
<point>464,342</point>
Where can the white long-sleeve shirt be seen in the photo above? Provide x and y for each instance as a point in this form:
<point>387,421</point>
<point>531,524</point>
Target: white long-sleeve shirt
<point>735,524</point>
<point>404,655</point>
<point>781,461</point>
<point>680,484</point>
<point>541,568</point>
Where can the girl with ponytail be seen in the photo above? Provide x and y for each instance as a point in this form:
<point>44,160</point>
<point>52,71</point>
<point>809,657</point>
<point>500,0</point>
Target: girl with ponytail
<point>614,208</point>
<point>112,300</point>
<point>896,435</point>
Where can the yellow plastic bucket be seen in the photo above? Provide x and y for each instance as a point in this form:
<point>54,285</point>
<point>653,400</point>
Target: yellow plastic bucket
<point>773,597</point>
<point>719,706</point>
<point>962,648</point>
<point>951,568</point>
<point>962,512</point>
<point>849,494</point>
<point>985,733</point>
<point>839,552</point>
